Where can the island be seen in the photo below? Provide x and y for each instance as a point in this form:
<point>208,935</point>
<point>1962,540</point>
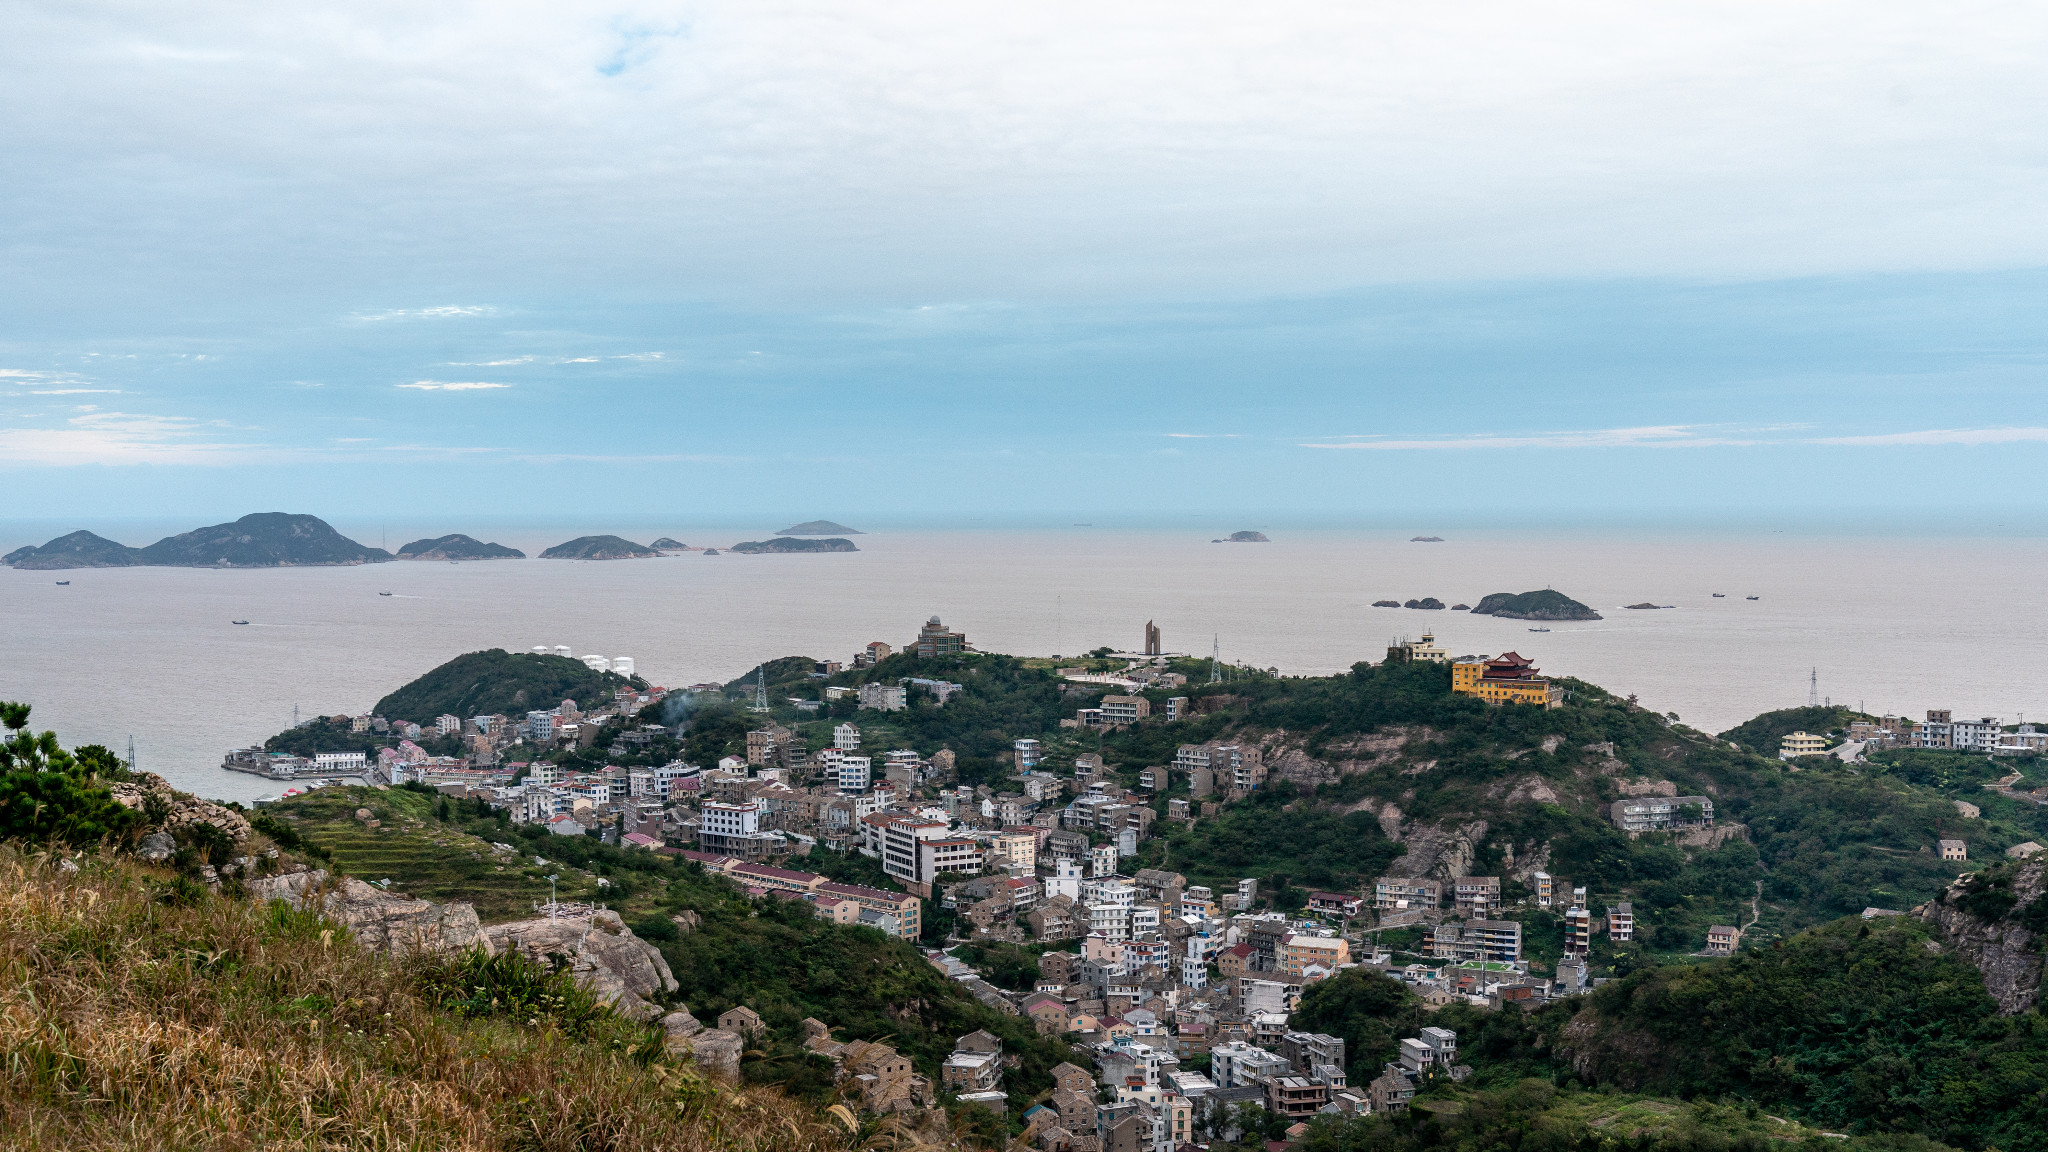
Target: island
<point>456,546</point>
<point>1429,602</point>
<point>670,544</point>
<point>1544,604</point>
<point>820,528</point>
<point>1386,603</point>
<point>1246,537</point>
<point>1425,539</point>
<point>258,540</point>
<point>783,544</point>
<point>1460,607</point>
<point>1647,604</point>
<point>598,548</point>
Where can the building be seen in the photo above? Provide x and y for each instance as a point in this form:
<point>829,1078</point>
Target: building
<point>1390,1093</point>
<point>1662,813</point>
<point>846,738</point>
<point>1240,1065</point>
<point>1123,710</point>
<point>1954,850</point>
<point>540,727</point>
<point>916,852</point>
<point>1723,939</point>
<point>1296,1098</point>
<point>1424,650</point>
<point>735,830</point>
<point>1621,921</point>
<point>1476,895</point>
<point>1335,904</point>
<point>1544,887</point>
<point>1496,940</point>
<point>934,640</point>
<point>1238,766</point>
<point>1295,954</point>
<point>1404,893</point>
<point>854,774</point>
<point>883,697</point>
<point>341,762</point>
<point>1798,744</point>
<point>1505,679</point>
<point>1578,931</point>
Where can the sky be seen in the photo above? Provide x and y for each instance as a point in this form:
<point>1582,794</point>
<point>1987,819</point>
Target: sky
<point>914,259</point>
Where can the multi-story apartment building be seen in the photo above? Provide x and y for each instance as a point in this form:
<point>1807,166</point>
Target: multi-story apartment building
<point>934,639</point>
<point>1476,896</point>
<point>1239,766</point>
<point>1296,953</point>
<point>1405,893</point>
<point>883,697</point>
<point>734,830</point>
<point>1497,940</point>
<point>1578,930</point>
<point>1124,710</point>
<point>1662,813</point>
<point>1621,921</point>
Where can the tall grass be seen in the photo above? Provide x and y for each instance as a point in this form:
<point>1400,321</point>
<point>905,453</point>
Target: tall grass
<point>138,1015</point>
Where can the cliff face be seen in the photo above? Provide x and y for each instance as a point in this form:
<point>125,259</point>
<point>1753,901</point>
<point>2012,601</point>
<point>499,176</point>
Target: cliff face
<point>1995,920</point>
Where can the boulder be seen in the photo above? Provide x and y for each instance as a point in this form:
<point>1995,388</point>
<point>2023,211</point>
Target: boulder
<point>385,921</point>
<point>156,847</point>
<point>624,970</point>
<point>183,810</point>
<point>714,1050</point>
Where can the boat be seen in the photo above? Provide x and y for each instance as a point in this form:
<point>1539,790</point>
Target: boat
<point>1750,597</point>
<point>383,593</point>
<point>241,621</point>
<point>1539,629</point>
<point>62,583</point>
<point>1720,595</point>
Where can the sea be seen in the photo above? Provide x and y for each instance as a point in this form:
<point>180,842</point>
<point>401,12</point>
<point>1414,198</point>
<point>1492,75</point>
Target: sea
<point>1875,621</point>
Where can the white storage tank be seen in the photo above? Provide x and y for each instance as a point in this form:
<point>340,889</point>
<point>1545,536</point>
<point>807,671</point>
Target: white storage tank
<point>561,649</point>
<point>596,663</point>
<point>623,665</point>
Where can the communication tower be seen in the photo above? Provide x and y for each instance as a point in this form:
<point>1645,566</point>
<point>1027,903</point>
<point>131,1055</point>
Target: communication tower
<point>761,688</point>
<point>131,752</point>
<point>1813,689</point>
<point>1215,651</point>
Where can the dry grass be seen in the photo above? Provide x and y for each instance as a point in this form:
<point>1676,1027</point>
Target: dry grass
<point>131,1020</point>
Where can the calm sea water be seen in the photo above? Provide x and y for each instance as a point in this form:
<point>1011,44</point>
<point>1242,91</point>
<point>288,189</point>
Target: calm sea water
<point>1892,625</point>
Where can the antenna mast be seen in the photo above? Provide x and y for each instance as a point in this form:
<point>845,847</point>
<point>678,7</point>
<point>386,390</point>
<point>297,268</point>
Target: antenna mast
<point>131,752</point>
<point>1215,651</point>
<point>761,688</point>
<point>1813,689</point>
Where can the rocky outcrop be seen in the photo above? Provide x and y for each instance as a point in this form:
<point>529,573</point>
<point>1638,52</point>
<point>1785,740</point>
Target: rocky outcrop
<point>379,920</point>
<point>2007,953</point>
<point>624,970</point>
<point>713,1049</point>
<point>1429,603</point>
<point>181,811</point>
<point>1434,850</point>
<point>1532,789</point>
<point>1648,787</point>
<point>1544,604</point>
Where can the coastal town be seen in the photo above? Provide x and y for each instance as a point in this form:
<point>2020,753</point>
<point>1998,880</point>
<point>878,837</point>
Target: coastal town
<point>1180,994</point>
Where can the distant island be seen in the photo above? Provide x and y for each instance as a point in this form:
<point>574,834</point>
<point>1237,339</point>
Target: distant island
<point>598,548</point>
<point>1425,539</point>
<point>456,546</point>
<point>258,540</point>
<point>1647,604</point>
<point>1429,602</point>
<point>819,528</point>
<point>1540,605</point>
<point>670,544</point>
<point>1386,603</point>
<point>785,544</point>
<point>1243,538</point>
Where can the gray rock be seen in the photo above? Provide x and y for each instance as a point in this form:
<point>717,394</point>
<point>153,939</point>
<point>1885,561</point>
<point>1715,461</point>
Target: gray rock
<point>2008,955</point>
<point>384,921</point>
<point>714,1050</point>
<point>624,970</point>
<point>156,847</point>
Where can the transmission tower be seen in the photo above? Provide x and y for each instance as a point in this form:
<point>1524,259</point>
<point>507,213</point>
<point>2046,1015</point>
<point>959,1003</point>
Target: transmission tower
<point>761,688</point>
<point>131,753</point>
<point>1813,689</point>
<point>1215,652</point>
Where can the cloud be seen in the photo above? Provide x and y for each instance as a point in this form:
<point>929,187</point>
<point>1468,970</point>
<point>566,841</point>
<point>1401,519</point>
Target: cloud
<point>125,438</point>
<point>451,386</point>
<point>77,392</point>
<point>1654,436</point>
<point>1942,436</point>
<point>1203,435</point>
<point>443,312</point>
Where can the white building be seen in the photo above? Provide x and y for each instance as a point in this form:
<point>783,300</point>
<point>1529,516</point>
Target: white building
<point>447,725</point>
<point>1028,755</point>
<point>540,726</point>
<point>846,738</point>
<point>344,762</point>
<point>597,663</point>
<point>1239,1065</point>
<point>883,697</point>
<point>855,775</point>
<point>1102,859</point>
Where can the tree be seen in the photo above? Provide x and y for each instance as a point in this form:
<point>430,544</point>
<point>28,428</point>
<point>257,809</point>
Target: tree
<point>49,796</point>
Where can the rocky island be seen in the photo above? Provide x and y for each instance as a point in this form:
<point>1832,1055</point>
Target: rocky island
<point>456,546</point>
<point>820,528</point>
<point>1647,604</point>
<point>1429,602</point>
<point>598,548</point>
<point>1245,537</point>
<point>258,540</point>
<point>1425,539</point>
<point>670,544</point>
<point>784,544</point>
<point>1544,604</point>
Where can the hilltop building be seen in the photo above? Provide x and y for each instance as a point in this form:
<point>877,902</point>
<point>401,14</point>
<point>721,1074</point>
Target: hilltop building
<point>935,640</point>
<point>1424,650</point>
<point>1509,678</point>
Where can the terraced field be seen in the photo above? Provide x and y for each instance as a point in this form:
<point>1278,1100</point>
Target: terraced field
<point>425,858</point>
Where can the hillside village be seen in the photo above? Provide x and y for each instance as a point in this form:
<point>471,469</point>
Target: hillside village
<point>1034,874</point>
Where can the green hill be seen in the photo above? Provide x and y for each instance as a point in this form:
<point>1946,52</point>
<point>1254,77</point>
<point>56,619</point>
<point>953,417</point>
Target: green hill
<point>598,548</point>
<point>1763,733</point>
<point>495,681</point>
<point>258,540</point>
<point>1544,604</point>
<point>784,544</point>
<point>457,546</point>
